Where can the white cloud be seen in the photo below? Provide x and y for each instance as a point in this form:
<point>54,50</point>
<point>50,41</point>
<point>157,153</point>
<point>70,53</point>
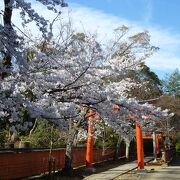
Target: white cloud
<point>164,62</point>
<point>168,57</point>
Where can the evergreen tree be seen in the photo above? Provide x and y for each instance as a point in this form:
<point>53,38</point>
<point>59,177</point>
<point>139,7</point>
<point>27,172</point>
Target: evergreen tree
<point>171,83</point>
<point>149,84</point>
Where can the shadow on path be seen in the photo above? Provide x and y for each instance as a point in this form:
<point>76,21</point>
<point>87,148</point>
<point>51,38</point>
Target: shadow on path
<point>175,162</point>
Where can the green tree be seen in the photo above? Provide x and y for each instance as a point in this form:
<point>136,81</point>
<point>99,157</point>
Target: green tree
<point>173,104</point>
<point>46,134</point>
<point>171,83</point>
<point>149,84</point>
<point>3,136</point>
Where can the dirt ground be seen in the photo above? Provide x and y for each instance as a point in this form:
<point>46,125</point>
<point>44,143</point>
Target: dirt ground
<point>148,168</point>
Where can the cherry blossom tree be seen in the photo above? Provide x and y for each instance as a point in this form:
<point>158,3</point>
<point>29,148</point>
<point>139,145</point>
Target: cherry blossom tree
<point>71,72</point>
<point>14,58</point>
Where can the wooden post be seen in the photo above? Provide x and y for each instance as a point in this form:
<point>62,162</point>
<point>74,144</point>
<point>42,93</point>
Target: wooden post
<point>89,149</point>
<point>140,150</point>
<point>154,146</point>
<point>157,145</point>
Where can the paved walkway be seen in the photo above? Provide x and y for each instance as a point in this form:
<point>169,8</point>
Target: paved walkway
<point>114,172</point>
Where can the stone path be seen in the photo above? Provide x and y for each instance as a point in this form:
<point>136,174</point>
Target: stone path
<point>114,172</point>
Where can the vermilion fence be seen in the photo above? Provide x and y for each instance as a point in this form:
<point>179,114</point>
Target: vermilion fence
<point>20,164</point>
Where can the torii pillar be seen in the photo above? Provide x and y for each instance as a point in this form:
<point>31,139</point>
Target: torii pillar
<point>92,116</point>
<point>140,150</point>
<point>89,148</point>
<point>157,145</point>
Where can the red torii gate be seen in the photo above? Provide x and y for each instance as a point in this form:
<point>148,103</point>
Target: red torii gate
<point>139,140</point>
<point>158,137</point>
<point>92,116</point>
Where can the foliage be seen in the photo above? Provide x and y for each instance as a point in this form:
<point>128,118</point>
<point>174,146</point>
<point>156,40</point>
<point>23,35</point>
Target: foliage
<point>108,139</point>
<point>3,137</point>
<point>178,149</point>
<point>4,133</point>
<point>44,134</point>
<point>178,145</point>
<point>173,104</point>
<point>150,84</point>
<point>171,83</point>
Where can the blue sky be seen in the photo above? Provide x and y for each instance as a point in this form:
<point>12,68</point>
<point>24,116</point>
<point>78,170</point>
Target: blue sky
<point>159,17</point>
<point>163,13</point>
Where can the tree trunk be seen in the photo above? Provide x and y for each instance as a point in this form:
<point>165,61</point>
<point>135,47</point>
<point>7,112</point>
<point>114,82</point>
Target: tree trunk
<point>7,13</point>
<point>8,28</point>
<point>103,140</point>
<point>127,150</point>
<point>33,128</point>
<point>118,148</point>
<point>67,170</point>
